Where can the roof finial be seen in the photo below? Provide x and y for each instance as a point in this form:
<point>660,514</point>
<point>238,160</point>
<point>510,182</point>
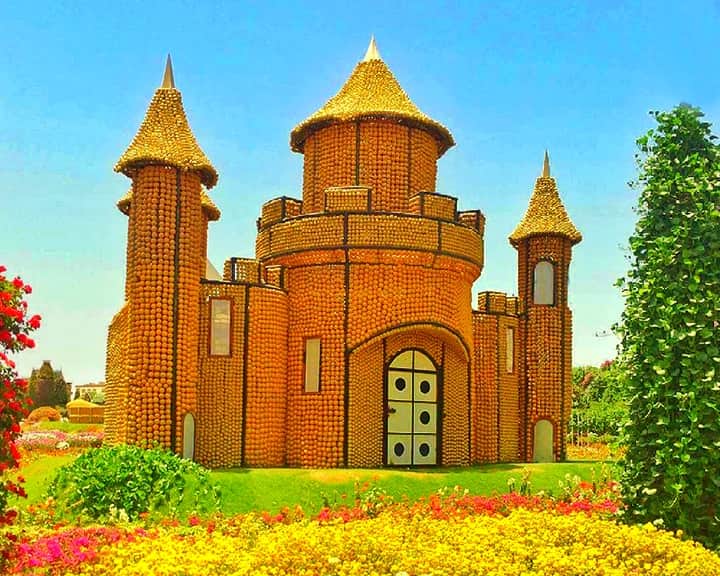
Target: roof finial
<point>168,78</point>
<point>372,51</point>
<point>546,166</point>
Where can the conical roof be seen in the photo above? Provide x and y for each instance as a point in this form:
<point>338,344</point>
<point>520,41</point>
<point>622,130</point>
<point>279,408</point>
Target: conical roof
<point>165,137</point>
<point>124,203</point>
<point>208,206</point>
<point>545,214</point>
<point>372,91</point>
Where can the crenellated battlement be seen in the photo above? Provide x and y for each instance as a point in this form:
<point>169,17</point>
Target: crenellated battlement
<point>491,302</point>
<point>250,271</point>
<point>359,200</point>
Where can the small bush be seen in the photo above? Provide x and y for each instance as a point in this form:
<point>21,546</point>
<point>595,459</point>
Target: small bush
<point>119,481</point>
<point>43,413</point>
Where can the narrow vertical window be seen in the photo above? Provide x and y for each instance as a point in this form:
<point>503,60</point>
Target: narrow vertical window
<point>188,436</point>
<point>544,283</point>
<point>510,350</point>
<point>312,365</point>
<point>220,322</point>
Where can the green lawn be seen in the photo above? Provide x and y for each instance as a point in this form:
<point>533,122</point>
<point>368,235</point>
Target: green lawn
<point>271,489</point>
<point>66,426</point>
<point>259,489</point>
<point>39,473</point>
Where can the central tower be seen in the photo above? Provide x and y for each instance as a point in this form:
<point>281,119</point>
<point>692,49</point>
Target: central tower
<point>378,269</point>
<point>371,134</point>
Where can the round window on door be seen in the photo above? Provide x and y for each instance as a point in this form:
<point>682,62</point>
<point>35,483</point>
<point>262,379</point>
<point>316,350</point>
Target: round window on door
<point>412,410</point>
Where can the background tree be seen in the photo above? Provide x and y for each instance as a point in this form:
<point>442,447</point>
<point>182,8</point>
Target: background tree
<point>669,329</point>
<point>599,403</point>
<point>48,386</point>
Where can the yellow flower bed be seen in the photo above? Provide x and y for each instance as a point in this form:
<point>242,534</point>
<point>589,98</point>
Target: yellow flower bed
<point>523,543</point>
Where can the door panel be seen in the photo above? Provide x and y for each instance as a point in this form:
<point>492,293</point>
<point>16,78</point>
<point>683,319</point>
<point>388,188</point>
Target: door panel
<point>400,418</point>
<point>399,449</point>
<point>424,449</point>
<point>400,385</point>
<point>425,387</point>
<point>412,410</point>
<point>424,421</point>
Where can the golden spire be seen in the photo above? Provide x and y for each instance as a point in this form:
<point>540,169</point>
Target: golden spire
<point>168,78</point>
<point>545,215</point>
<point>372,52</point>
<point>165,137</point>
<point>372,91</point>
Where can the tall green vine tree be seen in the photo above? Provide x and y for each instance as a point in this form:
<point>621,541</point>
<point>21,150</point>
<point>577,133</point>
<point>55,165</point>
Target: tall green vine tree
<point>670,330</point>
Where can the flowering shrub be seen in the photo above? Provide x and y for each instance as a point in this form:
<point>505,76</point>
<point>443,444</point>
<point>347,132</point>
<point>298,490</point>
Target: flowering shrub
<point>69,548</point>
<point>15,326</point>
<point>44,413</point>
<point>50,440</point>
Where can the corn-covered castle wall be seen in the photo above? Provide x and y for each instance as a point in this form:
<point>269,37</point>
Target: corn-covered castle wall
<point>395,161</point>
<point>350,338</point>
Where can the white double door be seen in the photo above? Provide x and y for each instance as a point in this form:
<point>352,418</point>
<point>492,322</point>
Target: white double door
<point>412,410</point>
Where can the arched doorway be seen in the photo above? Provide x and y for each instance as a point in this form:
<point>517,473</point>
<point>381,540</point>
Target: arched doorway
<point>543,445</point>
<point>412,394</point>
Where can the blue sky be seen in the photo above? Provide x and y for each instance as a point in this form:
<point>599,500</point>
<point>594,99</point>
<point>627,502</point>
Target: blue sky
<point>508,80</point>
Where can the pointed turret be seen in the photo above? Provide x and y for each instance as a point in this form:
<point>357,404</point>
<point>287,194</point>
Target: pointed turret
<point>546,214</point>
<point>372,91</point>
<point>165,136</point>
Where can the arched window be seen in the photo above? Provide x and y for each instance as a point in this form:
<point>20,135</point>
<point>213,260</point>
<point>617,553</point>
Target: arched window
<point>543,444</point>
<point>189,436</point>
<point>544,283</point>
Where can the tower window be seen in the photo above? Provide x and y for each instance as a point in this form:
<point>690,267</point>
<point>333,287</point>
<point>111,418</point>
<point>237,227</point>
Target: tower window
<point>510,350</point>
<point>220,326</point>
<point>312,365</point>
<point>544,283</point>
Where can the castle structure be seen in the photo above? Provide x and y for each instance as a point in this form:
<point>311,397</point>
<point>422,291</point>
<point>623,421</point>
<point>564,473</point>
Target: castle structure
<point>350,338</point>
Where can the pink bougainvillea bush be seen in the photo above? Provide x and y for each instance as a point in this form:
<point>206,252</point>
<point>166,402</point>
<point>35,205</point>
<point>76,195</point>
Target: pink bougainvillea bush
<point>15,327</point>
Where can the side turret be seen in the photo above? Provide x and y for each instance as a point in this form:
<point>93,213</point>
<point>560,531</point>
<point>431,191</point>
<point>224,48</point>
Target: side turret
<point>544,240</point>
<point>167,241</point>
